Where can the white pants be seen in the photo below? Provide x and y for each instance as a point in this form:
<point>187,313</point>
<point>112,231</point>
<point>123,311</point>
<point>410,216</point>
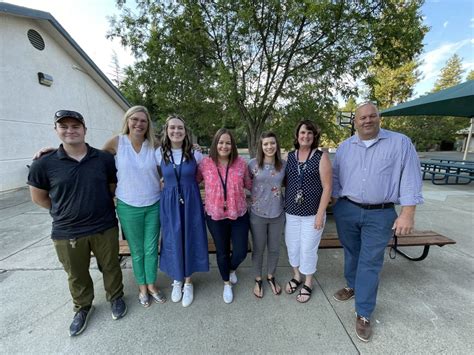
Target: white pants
<point>302,241</point>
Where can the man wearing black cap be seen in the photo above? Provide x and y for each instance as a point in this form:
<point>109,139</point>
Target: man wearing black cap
<point>76,183</point>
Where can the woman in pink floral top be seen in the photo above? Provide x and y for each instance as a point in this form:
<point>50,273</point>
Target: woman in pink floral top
<point>225,177</point>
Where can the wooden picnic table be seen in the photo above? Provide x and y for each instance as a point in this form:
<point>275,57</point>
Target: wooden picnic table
<point>441,173</point>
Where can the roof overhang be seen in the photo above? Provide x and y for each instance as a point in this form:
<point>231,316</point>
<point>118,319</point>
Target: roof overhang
<point>54,29</point>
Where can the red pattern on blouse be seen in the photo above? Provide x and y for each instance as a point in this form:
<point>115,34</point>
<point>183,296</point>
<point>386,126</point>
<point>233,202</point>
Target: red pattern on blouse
<point>238,179</point>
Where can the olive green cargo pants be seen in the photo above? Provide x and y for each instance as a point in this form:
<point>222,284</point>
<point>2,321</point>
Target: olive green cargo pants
<point>75,256</point>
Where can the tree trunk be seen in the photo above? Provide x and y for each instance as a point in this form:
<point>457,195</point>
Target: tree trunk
<point>253,133</point>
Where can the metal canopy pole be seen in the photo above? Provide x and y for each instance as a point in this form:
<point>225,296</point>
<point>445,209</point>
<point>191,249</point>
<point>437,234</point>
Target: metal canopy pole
<point>466,148</point>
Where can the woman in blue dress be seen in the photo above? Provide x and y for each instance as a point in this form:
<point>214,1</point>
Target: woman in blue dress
<point>184,236</point>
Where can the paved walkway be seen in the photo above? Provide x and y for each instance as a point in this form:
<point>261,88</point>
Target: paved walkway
<point>423,307</point>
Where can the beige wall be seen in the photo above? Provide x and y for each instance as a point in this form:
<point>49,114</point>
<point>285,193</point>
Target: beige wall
<point>27,108</point>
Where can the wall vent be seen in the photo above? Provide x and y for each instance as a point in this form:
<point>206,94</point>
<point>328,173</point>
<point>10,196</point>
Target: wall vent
<point>36,40</point>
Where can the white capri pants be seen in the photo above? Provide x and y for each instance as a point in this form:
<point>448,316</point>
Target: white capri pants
<point>302,242</point>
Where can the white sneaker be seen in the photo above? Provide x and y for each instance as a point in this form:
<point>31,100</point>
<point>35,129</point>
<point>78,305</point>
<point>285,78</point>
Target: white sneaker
<point>177,291</point>
<point>188,295</point>
<point>228,295</point>
<point>233,277</point>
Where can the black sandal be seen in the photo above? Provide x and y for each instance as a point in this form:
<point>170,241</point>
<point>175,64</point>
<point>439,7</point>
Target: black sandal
<point>307,293</point>
<point>293,285</point>
<point>259,283</point>
<point>272,283</point>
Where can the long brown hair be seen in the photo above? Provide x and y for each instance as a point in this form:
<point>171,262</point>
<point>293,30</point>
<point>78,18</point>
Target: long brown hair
<point>311,126</point>
<point>213,150</point>
<point>261,155</point>
<point>166,142</point>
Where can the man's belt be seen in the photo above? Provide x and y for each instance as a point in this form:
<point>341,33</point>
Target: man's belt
<point>365,206</point>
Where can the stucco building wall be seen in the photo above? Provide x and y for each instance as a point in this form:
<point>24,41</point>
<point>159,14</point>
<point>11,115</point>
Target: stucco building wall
<point>27,108</point>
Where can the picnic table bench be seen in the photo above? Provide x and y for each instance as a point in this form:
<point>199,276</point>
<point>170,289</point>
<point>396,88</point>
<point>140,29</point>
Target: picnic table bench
<point>440,172</point>
<point>330,240</point>
<point>449,160</point>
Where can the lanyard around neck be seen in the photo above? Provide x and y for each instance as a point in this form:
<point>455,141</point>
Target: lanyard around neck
<point>224,183</point>
<point>177,174</point>
<point>302,169</point>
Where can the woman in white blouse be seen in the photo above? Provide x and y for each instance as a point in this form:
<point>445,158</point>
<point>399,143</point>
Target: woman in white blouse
<point>138,198</point>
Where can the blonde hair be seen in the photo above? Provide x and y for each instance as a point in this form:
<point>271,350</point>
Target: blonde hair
<point>150,132</point>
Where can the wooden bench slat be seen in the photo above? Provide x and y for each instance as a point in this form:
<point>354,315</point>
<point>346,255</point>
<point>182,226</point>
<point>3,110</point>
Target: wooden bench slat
<point>330,240</point>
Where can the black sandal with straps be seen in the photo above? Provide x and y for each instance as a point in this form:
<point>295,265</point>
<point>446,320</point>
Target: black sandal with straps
<point>307,293</point>
<point>272,282</point>
<point>259,283</point>
<point>293,285</point>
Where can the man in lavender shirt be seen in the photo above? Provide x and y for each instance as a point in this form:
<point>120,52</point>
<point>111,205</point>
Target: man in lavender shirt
<point>372,171</point>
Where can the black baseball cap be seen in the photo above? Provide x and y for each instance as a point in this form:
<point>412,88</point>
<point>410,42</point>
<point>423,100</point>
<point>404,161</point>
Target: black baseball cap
<point>59,115</point>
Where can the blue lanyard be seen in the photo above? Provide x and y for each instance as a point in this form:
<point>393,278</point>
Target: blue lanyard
<point>177,174</point>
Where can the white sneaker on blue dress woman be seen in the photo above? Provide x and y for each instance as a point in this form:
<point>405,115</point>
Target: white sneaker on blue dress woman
<point>177,291</point>
<point>188,294</point>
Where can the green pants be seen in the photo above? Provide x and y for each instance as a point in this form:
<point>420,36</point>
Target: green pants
<point>75,257</point>
<point>141,226</point>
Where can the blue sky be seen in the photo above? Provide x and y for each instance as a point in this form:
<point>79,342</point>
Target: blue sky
<point>451,25</point>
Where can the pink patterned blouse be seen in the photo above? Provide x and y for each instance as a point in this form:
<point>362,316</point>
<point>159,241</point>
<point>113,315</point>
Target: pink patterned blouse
<point>238,179</point>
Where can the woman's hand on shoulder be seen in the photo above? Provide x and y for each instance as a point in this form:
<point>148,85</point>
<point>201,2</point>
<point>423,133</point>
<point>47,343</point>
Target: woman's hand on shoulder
<point>41,152</point>
<point>111,145</point>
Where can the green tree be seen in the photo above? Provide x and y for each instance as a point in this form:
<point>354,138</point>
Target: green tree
<point>388,87</point>
<point>451,74</point>
<point>116,71</point>
<point>247,62</point>
<point>391,86</point>
<point>446,127</point>
<point>428,132</point>
<point>470,75</point>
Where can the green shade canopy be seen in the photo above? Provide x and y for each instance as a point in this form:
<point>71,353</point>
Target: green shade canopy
<point>454,101</point>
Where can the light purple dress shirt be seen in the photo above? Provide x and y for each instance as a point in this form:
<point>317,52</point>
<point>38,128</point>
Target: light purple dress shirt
<point>387,171</point>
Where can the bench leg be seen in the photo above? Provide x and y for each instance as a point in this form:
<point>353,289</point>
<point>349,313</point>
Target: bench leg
<point>423,256</point>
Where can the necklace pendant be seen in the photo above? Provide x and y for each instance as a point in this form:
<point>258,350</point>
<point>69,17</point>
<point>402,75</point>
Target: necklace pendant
<point>299,198</point>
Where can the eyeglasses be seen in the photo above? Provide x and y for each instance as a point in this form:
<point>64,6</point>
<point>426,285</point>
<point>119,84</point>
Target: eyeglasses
<point>66,113</point>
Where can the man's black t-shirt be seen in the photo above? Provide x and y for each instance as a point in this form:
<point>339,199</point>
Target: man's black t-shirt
<point>81,202</point>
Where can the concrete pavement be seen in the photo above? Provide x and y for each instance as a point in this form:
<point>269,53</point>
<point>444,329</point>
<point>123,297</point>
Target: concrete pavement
<point>423,307</point>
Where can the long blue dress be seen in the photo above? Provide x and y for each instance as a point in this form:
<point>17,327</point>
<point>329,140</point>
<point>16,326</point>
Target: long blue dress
<point>184,236</point>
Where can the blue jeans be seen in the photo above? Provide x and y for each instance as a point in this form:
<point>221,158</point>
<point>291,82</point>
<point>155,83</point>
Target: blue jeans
<point>224,232</point>
<point>364,234</point>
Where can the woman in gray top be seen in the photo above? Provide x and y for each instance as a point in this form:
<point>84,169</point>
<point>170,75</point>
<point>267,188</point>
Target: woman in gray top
<point>266,213</point>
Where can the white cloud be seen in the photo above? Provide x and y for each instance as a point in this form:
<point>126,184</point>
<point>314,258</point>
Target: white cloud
<point>433,60</point>
<point>445,24</point>
<point>468,66</point>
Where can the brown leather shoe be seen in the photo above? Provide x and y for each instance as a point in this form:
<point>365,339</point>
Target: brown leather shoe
<point>363,329</point>
<point>344,294</point>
